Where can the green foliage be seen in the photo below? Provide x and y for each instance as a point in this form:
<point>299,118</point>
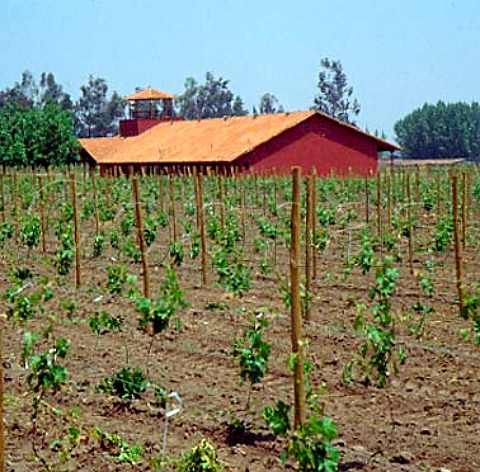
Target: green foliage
<point>443,233</point>
<point>177,253</point>
<point>157,313</point>
<point>334,96</point>
<point>444,130</point>
<point>126,384</point>
<point>150,231</point>
<point>38,136</point>
<point>117,277</point>
<point>364,259</point>
<point>251,351</point>
<point>269,104</point>
<point>96,114</point>
<point>213,99</point>
<point>104,320</point>
<point>6,231</point>
<point>65,255</point>
<point>201,458</point>
<point>471,310</point>
<point>378,354</point>
<point>98,244</point>
<point>45,371</point>
<point>31,231</point>
<point>277,417</point>
<point>311,445</point>
<point>117,448</point>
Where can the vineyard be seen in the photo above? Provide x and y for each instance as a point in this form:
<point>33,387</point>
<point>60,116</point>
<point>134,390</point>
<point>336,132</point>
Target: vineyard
<point>245,322</point>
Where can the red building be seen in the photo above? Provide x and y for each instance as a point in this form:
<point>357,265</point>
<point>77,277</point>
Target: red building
<point>154,140</point>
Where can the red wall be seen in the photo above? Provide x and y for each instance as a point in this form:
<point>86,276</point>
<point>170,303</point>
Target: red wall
<point>327,146</point>
<point>137,126</point>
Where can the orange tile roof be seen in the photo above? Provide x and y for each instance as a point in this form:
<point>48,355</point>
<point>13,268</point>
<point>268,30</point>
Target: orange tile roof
<point>149,94</point>
<point>99,148</point>
<point>205,141</point>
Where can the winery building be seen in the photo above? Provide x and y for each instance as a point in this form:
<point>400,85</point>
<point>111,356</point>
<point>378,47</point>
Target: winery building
<point>153,140</point>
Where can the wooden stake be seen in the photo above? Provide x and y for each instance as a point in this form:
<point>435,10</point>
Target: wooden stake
<point>141,236</point>
<point>73,191</point>
<point>464,209</point>
<point>367,201</point>
<point>296,309</point>
<point>417,189</point>
<point>203,237</point>
<point>409,213</point>
<point>172,204</point>
<point>313,176</point>
<point>439,196</point>
<point>379,205</point>
<point>389,201</point>
<point>2,195</point>
<point>458,248</point>
<point>222,202</point>
<point>2,433</point>
<point>42,216</point>
<point>308,249</point>
<point>13,191</point>
<point>95,202</point>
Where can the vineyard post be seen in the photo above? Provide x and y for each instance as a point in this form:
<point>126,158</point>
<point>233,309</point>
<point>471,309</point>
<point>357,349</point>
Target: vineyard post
<point>42,215</point>
<point>409,216</point>
<point>265,199</point>
<point>161,192</point>
<point>458,249</point>
<point>367,201</point>
<point>95,201</point>
<point>2,194</point>
<point>172,204</point>
<point>244,208</point>
<point>73,191</point>
<point>308,249</point>
<point>14,191</point>
<point>222,203</point>
<point>417,188</point>
<point>389,201</point>
<point>439,196</point>
<point>379,205</point>
<point>141,237</point>
<point>84,179</point>
<point>295,313</point>
<point>203,238</point>
<point>464,209</point>
<point>2,434</point>
<point>195,189</point>
<point>314,221</point>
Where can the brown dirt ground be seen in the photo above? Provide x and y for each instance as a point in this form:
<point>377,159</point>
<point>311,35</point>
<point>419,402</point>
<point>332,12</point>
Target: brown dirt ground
<point>426,418</point>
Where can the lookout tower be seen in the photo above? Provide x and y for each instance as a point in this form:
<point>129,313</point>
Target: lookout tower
<point>147,108</point>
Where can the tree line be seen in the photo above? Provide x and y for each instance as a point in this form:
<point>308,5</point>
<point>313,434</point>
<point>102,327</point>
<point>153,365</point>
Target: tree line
<point>40,122</point>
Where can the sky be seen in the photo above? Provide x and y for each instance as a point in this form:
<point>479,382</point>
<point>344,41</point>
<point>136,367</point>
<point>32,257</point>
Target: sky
<point>397,54</point>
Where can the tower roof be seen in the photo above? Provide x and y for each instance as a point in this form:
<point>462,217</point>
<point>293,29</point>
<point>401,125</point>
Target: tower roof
<point>149,94</point>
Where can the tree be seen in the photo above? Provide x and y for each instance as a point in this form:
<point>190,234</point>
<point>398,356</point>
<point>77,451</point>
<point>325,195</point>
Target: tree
<point>441,131</point>
<point>213,99</point>
<point>95,114</point>
<point>23,93</point>
<point>334,96</point>
<point>269,104</point>
<point>50,90</point>
<point>36,136</point>
<point>28,94</point>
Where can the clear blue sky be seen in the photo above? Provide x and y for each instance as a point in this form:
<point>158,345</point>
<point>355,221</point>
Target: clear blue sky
<point>397,54</point>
